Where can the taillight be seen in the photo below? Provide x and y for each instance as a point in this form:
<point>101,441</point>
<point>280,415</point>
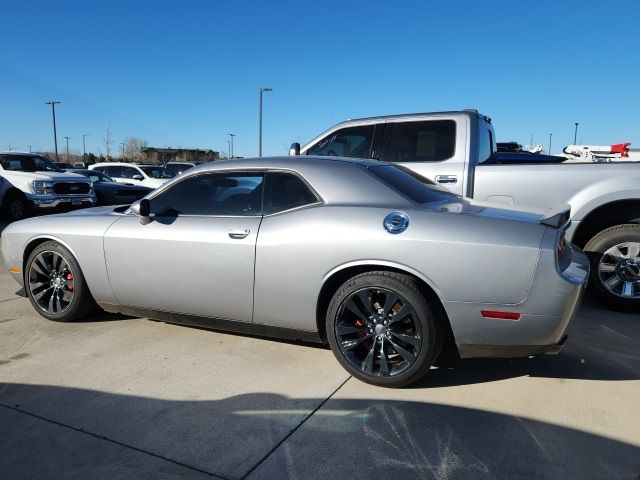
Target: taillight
<point>562,246</point>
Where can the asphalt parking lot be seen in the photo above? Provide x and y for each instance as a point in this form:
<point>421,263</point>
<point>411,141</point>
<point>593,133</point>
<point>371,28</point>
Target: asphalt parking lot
<point>120,397</point>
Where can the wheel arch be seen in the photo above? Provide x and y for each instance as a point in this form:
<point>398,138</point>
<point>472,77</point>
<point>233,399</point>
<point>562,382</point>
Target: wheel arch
<point>334,279</point>
<point>607,215</point>
<point>33,242</point>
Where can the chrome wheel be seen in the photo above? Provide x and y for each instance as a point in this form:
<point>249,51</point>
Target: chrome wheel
<point>51,282</point>
<point>378,332</point>
<point>619,270</point>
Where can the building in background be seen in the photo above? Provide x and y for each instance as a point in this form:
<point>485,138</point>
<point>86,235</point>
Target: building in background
<point>164,155</point>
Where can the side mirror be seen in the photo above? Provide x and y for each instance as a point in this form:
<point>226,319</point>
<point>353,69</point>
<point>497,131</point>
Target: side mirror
<point>137,177</point>
<point>142,208</point>
<point>294,149</point>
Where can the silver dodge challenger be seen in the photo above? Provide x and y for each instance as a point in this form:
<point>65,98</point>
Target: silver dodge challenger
<point>371,258</point>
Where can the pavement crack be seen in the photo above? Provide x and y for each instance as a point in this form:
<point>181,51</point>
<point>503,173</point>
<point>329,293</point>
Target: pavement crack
<point>116,442</point>
<point>294,430</point>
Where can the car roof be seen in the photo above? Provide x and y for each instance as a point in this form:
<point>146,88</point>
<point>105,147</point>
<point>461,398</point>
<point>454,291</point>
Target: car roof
<point>338,180</point>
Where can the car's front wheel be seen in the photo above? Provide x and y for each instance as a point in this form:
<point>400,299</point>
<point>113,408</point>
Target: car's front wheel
<point>382,330</point>
<point>17,206</point>
<point>615,267</point>
<point>55,285</point>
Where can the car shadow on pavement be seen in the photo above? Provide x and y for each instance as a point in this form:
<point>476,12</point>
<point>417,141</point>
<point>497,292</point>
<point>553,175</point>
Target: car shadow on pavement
<point>60,432</point>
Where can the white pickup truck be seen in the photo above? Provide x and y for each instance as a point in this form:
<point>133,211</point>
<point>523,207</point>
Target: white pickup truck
<point>457,150</point>
<point>30,183</point>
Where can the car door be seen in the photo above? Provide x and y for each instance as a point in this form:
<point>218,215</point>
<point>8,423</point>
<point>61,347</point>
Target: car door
<point>196,256</point>
<point>432,148</point>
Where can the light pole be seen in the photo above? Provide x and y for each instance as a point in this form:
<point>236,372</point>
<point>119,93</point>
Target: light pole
<point>575,133</point>
<point>122,144</point>
<point>531,142</point>
<point>55,135</point>
<point>262,90</point>
<point>84,150</point>
<point>231,145</point>
<point>228,148</point>
<point>29,148</point>
<point>550,135</point>
<point>68,138</point>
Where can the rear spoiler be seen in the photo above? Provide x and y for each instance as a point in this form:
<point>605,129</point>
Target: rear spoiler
<point>557,217</point>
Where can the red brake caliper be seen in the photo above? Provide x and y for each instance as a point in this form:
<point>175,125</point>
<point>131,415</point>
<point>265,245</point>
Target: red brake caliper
<point>69,277</point>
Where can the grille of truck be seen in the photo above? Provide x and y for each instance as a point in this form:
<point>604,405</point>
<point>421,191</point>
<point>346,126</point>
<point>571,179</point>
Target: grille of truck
<point>71,188</point>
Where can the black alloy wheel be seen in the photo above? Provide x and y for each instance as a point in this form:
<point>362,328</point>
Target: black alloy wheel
<point>381,329</point>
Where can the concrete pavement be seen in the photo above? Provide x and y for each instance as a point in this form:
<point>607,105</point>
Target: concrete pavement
<point>119,397</point>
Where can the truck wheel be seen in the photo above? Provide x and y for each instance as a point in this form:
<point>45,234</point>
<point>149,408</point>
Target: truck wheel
<point>381,329</point>
<point>16,206</point>
<point>615,267</point>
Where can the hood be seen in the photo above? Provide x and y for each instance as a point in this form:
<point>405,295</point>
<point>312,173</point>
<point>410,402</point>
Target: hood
<point>52,176</point>
<point>489,210</point>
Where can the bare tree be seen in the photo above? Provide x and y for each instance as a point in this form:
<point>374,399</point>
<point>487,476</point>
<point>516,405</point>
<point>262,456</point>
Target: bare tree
<point>133,148</point>
<point>108,142</point>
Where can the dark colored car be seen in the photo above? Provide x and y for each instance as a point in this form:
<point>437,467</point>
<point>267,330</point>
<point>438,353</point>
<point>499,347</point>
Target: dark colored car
<point>505,158</point>
<point>110,192</point>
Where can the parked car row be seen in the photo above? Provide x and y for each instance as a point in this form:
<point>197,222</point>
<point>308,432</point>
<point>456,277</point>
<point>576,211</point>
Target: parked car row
<point>32,184</point>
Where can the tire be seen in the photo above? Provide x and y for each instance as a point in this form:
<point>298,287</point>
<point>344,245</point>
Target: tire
<point>614,254</point>
<point>55,284</point>
<point>16,206</point>
<point>397,321</point>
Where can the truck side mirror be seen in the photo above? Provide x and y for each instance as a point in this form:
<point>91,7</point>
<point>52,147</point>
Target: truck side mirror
<point>294,149</point>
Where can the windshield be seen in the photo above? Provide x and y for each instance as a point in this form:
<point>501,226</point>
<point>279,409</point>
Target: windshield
<point>411,185</point>
<point>177,168</point>
<point>28,163</point>
<point>156,172</point>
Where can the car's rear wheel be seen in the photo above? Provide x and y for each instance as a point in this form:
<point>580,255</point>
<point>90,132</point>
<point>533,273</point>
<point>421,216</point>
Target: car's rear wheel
<point>382,330</point>
<point>55,284</point>
<point>615,267</point>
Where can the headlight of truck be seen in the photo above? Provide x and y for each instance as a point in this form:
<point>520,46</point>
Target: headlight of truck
<point>41,187</point>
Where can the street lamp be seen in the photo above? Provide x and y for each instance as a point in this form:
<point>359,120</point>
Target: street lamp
<point>121,143</point>
<point>550,135</point>
<point>231,144</point>
<point>84,150</point>
<point>228,148</point>
<point>55,135</point>
<point>262,90</point>
<point>575,134</point>
<point>68,138</point>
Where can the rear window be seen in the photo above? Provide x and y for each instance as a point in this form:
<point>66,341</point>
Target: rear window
<point>427,141</point>
<point>410,185</point>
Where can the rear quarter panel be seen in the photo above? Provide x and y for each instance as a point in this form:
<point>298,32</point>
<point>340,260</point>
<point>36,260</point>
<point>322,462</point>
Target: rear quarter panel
<point>464,258</point>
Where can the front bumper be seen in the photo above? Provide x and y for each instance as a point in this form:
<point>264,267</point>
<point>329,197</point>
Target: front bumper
<point>54,202</point>
<point>545,315</point>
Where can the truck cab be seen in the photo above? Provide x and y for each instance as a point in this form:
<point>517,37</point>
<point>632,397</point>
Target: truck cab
<point>434,145</point>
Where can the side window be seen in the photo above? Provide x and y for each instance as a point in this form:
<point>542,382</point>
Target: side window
<point>128,172</point>
<point>284,191</point>
<point>428,141</point>
<point>348,142</point>
<point>230,193</point>
<point>98,169</point>
<point>114,172</point>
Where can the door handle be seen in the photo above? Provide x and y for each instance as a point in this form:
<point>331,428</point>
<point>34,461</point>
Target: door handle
<point>239,233</point>
<point>446,179</point>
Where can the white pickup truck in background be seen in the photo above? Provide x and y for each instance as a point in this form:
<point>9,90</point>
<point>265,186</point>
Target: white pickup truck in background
<point>457,150</point>
<point>30,183</point>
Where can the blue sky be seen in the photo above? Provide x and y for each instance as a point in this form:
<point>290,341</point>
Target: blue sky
<point>187,73</point>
